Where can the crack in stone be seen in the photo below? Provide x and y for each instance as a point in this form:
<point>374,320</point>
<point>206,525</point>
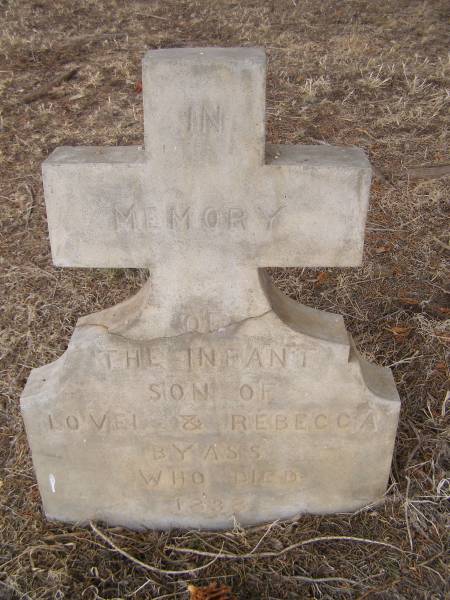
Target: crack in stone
<point>219,330</point>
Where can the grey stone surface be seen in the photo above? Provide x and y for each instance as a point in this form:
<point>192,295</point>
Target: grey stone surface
<point>209,396</point>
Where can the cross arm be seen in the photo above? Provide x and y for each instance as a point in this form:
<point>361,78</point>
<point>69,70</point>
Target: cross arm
<point>305,207</point>
<point>321,194</point>
<point>88,193</point>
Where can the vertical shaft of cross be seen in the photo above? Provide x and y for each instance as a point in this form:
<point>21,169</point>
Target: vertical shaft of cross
<point>191,296</point>
<point>204,108</point>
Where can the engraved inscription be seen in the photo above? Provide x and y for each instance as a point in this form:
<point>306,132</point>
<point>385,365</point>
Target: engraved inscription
<point>308,422</point>
<point>133,218</point>
<point>270,217</point>
<point>249,357</point>
<point>207,453</point>
<point>205,357</point>
<point>257,477</point>
<point>205,117</point>
<point>171,478</point>
<point>178,218</point>
<point>202,321</point>
<point>138,357</point>
<point>176,391</point>
<point>211,506</point>
<point>190,423</point>
<point>174,217</point>
<point>101,422</point>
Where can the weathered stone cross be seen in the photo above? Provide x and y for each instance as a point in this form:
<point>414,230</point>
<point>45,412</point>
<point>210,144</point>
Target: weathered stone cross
<point>177,408</point>
<point>207,202</point>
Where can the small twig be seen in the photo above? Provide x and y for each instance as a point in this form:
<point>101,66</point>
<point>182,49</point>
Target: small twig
<point>150,16</point>
<point>322,579</point>
<point>141,587</point>
<point>444,581</point>
<point>408,528</point>
<point>262,537</point>
<point>406,360</point>
<point>31,203</point>
<point>145,565</point>
<point>428,172</point>
<point>229,555</point>
<point>441,243</point>
<point>100,36</point>
<point>47,87</point>
<point>86,38</point>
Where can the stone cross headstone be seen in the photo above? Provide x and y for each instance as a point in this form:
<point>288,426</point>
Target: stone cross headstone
<point>210,396</point>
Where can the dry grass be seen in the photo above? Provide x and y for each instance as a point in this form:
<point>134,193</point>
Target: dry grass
<point>367,73</point>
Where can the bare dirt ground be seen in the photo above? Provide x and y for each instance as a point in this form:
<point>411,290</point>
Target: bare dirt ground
<point>371,74</point>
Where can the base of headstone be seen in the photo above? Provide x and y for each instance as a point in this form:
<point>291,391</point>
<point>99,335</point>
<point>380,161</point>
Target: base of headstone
<point>255,420</point>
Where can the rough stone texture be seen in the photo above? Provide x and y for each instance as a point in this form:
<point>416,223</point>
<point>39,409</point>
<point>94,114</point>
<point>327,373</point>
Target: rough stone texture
<point>209,396</point>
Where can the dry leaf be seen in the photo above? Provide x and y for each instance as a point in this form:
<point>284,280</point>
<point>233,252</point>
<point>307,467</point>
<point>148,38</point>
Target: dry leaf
<point>443,335</point>
<point>322,277</point>
<point>429,171</point>
<point>47,87</point>
<point>382,249</point>
<point>210,592</point>
<point>408,300</point>
<point>379,175</point>
<point>400,330</point>
<point>138,86</point>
